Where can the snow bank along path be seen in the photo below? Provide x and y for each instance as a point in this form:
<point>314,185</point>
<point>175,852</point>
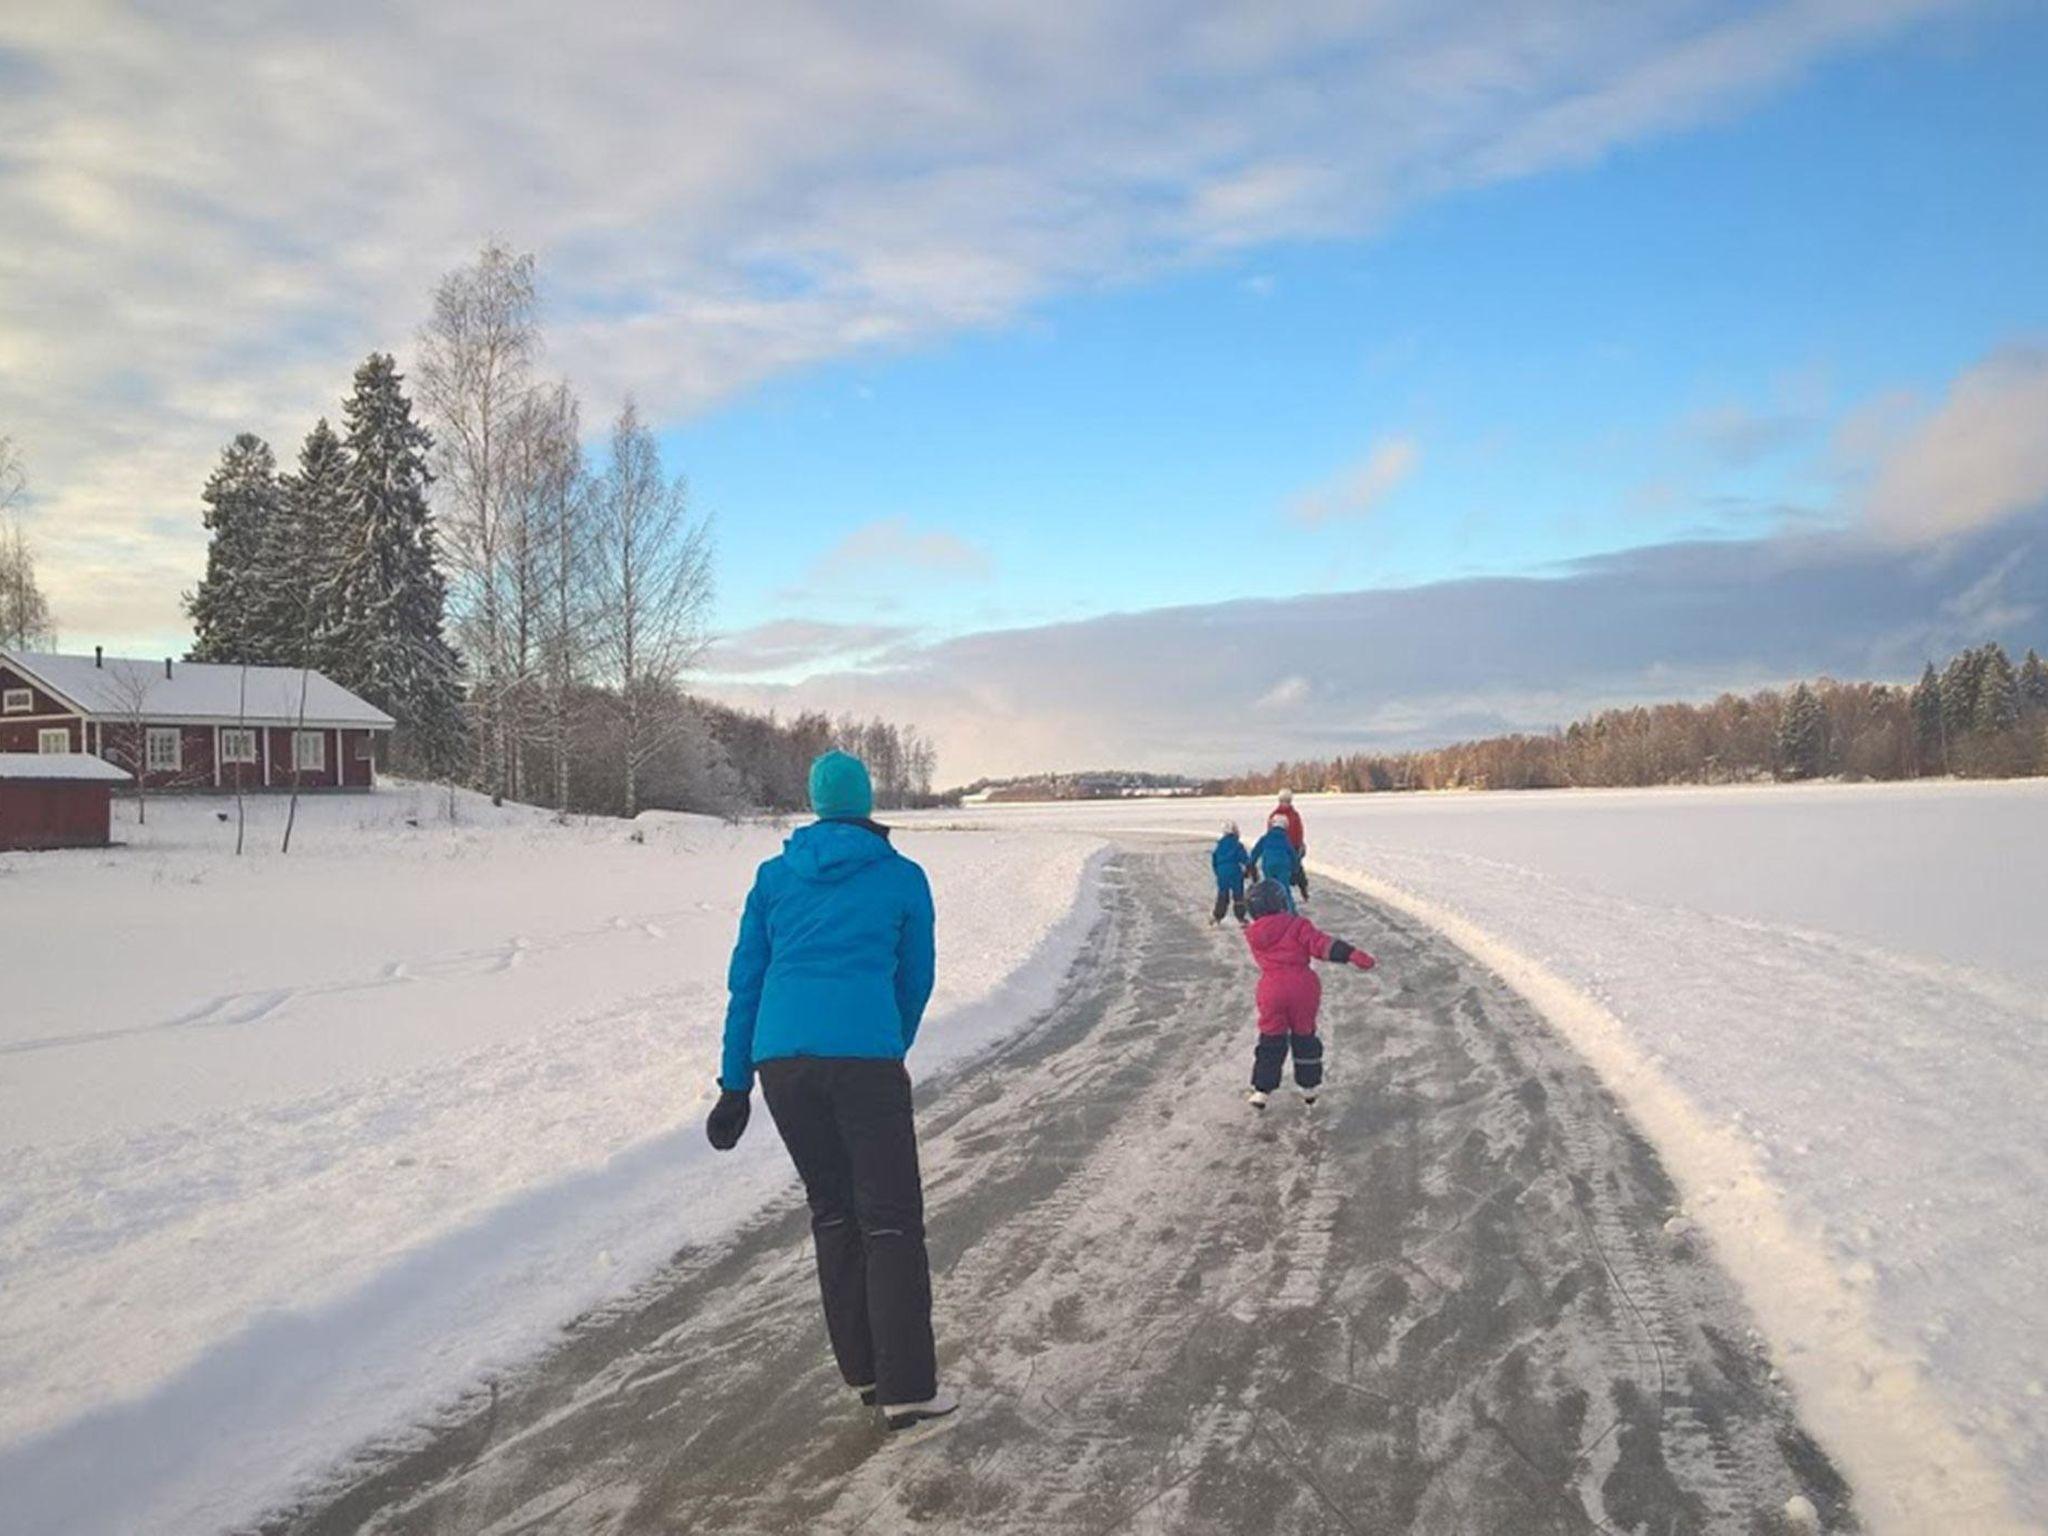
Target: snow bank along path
<point>294,1150</point>
<point>1825,1006</point>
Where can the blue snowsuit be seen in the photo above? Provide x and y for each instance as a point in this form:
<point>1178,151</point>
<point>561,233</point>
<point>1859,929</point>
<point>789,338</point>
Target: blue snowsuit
<point>1230,859</point>
<point>834,956</point>
<point>1274,855</point>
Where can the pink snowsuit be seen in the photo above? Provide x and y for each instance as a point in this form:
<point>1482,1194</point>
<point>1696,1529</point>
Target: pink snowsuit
<point>1289,991</point>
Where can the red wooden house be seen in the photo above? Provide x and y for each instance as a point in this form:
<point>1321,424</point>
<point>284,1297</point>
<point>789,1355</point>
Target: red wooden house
<point>192,725</point>
<point>56,800</point>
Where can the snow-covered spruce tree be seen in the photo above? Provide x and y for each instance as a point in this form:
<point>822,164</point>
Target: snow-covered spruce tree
<point>292,614</point>
<point>387,595</point>
<point>1930,737</point>
<point>1959,697</point>
<point>1997,707</point>
<point>241,498</point>
<point>2033,685</point>
<point>1802,736</point>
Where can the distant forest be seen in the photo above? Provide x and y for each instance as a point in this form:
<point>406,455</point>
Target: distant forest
<point>1978,717</point>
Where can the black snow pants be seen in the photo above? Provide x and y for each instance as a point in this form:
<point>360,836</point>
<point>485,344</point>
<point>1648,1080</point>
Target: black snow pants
<point>1229,898</point>
<point>847,1124</point>
<point>1272,1054</point>
<point>1301,870</point>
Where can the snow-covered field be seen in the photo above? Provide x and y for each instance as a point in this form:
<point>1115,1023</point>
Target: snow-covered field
<point>293,1149</point>
<point>1828,1006</point>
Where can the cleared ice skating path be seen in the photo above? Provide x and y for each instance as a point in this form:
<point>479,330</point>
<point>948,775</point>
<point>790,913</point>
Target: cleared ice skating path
<point>1444,1300</point>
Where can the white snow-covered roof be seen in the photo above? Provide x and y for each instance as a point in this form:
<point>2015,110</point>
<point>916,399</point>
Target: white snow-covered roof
<point>196,691</point>
<point>48,767</point>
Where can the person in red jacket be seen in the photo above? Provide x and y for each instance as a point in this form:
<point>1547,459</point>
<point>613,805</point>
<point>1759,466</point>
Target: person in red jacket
<point>1289,992</point>
<point>1286,812</point>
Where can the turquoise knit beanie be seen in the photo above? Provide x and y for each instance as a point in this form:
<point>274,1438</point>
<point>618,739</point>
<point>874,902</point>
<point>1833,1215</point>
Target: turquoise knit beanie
<point>840,786</point>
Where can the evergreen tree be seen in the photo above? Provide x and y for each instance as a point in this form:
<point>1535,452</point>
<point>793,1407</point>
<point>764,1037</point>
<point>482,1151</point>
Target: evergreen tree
<point>1802,736</point>
<point>384,637</point>
<point>2033,685</point>
<point>293,616</point>
<point>241,499</point>
<point>1997,705</point>
<point>1959,696</point>
<point>1928,732</point>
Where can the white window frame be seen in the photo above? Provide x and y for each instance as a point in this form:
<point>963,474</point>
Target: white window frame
<point>19,701</point>
<point>154,761</point>
<point>305,760</point>
<point>60,734</point>
<point>238,744</point>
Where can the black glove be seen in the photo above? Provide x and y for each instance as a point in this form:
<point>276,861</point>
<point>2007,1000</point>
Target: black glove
<point>728,1119</point>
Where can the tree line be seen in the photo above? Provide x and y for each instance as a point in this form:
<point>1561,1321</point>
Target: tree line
<point>1980,716</point>
<point>527,614</point>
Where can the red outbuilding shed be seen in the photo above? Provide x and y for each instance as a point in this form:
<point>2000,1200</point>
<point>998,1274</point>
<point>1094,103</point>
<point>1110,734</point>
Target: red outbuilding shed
<point>56,800</point>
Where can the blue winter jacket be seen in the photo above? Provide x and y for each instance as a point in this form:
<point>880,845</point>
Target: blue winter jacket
<point>1230,860</point>
<point>1275,856</point>
<point>834,956</point>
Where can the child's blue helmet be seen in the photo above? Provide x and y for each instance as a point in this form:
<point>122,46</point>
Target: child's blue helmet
<point>1266,898</point>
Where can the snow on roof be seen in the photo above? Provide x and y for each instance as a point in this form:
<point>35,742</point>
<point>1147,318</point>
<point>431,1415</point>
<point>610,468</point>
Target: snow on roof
<point>50,766</point>
<point>120,687</point>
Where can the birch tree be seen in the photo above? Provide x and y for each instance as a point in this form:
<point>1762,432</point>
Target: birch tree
<point>475,370</point>
<point>25,619</point>
<point>652,577</point>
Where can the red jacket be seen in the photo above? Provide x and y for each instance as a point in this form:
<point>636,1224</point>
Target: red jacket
<point>1293,819</point>
<point>1282,942</point>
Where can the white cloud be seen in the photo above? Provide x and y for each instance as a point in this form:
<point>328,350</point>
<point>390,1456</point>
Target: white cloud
<point>876,553</point>
<point>1285,694</point>
<point>1981,456</point>
<point>214,210</point>
<point>1361,488</point>
<point>794,644</point>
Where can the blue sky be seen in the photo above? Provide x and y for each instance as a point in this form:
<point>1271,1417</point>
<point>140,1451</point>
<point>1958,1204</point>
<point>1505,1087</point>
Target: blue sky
<point>1647,348</point>
<point>998,320</point>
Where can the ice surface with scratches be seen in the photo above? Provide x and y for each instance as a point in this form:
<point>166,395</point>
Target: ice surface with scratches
<point>294,1149</point>
<point>1828,1004</point>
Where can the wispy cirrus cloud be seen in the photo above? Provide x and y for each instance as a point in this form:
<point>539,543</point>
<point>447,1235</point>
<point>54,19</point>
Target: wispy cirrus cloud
<point>880,554</point>
<point>788,645</point>
<point>1360,489</point>
<point>215,210</point>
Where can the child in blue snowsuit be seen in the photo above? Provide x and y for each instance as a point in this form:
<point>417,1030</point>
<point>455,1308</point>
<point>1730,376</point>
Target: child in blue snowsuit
<point>1230,860</point>
<point>1274,855</point>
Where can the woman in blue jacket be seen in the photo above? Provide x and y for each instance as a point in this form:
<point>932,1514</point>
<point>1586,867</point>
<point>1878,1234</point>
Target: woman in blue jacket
<point>1230,859</point>
<point>828,984</point>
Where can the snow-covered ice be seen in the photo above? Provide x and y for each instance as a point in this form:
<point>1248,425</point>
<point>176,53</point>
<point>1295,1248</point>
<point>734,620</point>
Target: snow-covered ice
<point>1828,1006</point>
<point>294,1149</point>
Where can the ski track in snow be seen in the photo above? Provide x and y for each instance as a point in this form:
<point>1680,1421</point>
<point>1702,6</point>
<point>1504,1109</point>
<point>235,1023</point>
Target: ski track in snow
<point>1440,1302</point>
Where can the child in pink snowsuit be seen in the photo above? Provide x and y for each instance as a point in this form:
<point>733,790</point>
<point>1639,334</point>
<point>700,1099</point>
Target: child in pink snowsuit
<point>1289,992</point>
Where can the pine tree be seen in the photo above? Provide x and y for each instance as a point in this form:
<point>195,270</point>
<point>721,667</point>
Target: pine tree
<point>1996,708</point>
<point>384,636</point>
<point>293,609</point>
<point>1802,736</point>
<point>1929,735</point>
<point>241,499</point>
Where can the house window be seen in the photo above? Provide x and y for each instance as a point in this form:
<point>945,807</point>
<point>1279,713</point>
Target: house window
<point>237,745</point>
<point>166,749</point>
<point>19,701</point>
<point>53,741</point>
<point>309,751</point>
